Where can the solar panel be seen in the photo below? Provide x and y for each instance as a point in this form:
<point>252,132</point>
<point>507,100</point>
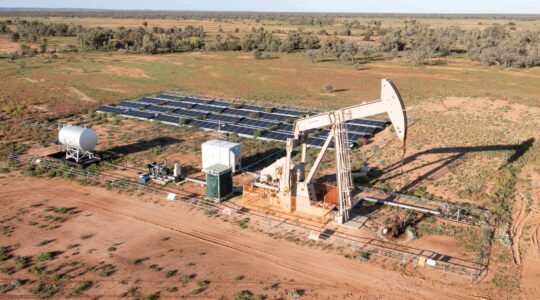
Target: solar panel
<point>317,142</point>
<point>168,119</point>
<point>236,112</point>
<point>372,123</point>
<point>289,112</point>
<point>222,118</point>
<point>132,104</point>
<point>242,119</point>
<point>158,108</point>
<point>110,109</point>
<point>253,107</point>
<point>203,124</point>
<point>138,114</point>
<point>219,103</point>
<point>240,130</point>
<point>169,97</point>
<point>274,117</point>
<point>187,113</point>
<point>195,100</point>
<point>207,108</point>
<point>152,101</point>
<point>256,123</point>
<point>179,104</point>
<point>354,137</point>
<point>285,127</point>
<point>361,129</point>
<point>278,136</point>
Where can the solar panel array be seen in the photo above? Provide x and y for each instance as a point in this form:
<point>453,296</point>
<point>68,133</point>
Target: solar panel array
<point>242,119</point>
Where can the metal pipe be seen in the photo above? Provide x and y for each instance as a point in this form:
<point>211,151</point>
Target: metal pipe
<point>400,205</point>
<point>197,181</point>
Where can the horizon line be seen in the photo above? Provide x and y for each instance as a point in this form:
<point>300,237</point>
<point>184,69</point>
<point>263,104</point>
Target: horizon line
<point>21,9</point>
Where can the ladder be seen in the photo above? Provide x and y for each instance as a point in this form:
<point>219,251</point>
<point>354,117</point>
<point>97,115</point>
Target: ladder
<point>343,166</point>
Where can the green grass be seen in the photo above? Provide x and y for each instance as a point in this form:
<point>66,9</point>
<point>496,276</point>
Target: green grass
<point>170,273</point>
<point>4,254</point>
<point>81,287</point>
<point>44,242</point>
<point>203,283</point>
<point>44,256</point>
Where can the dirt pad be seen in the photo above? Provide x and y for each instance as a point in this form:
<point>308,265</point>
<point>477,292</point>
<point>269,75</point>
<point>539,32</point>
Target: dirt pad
<point>145,239</point>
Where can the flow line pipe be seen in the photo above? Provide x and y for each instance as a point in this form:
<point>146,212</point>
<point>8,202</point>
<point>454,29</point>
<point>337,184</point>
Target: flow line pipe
<point>400,205</point>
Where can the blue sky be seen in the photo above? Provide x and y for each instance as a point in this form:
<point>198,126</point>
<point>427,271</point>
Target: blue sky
<point>394,6</point>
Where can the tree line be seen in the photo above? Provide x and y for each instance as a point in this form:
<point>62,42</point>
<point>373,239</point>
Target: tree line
<point>493,45</point>
<point>416,42</point>
<point>307,18</point>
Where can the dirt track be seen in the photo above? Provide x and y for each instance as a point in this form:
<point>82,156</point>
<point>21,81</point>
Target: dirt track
<point>229,250</point>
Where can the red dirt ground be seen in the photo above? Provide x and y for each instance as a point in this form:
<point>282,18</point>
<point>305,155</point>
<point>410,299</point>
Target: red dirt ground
<point>208,247</point>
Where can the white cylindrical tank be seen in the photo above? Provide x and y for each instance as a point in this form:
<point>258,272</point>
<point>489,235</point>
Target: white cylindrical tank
<point>80,138</point>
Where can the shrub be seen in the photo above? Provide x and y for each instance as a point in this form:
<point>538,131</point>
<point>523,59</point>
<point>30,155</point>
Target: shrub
<point>203,283</point>
<point>45,290</point>
<point>294,294</point>
<point>154,296</point>
<point>35,270</point>
<point>327,88</point>
<point>44,242</point>
<point>362,256</point>
<point>197,291</point>
<point>243,223</point>
<point>21,262</point>
<point>44,256</point>
<point>106,270</point>
<point>4,254</point>
<point>256,54</point>
<point>85,236</point>
<point>139,261</point>
<point>81,287</point>
<point>170,273</point>
<point>243,295</point>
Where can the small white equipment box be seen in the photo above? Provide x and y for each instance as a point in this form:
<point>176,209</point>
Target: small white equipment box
<point>221,152</point>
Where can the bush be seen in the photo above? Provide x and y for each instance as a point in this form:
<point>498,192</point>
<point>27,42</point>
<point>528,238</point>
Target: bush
<point>327,88</point>
<point>294,294</point>
<point>81,287</point>
<point>243,295</point>
<point>44,256</point>
<point>21,262</point>
<point>170,273</point>
<point>154,296</point>
<point>4,254</point>
<point>106,270</point>
<point>203,283</point>
<point>256,54</point>
<point>362,256</point>
<point>197,291</point>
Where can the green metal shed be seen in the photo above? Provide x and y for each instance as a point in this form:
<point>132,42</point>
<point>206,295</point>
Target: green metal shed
<point>219,182</point>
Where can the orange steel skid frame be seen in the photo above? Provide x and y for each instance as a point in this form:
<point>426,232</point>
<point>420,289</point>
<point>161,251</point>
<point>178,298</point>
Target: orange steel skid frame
<point>266,201</point>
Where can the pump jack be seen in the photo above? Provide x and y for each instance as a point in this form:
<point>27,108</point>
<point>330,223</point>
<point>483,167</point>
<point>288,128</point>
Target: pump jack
<point>286,181</point>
